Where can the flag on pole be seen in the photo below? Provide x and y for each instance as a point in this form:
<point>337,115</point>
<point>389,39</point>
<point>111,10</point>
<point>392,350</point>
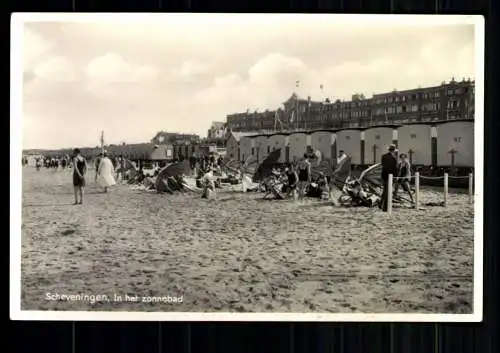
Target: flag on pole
<point>102,141</point>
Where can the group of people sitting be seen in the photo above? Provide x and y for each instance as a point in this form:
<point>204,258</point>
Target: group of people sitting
<point>297,181</point>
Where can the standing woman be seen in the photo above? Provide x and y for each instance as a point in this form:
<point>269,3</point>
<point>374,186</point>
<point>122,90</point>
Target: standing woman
<point>79,170</point>
<point>106,171</point>
<point>304,171</point>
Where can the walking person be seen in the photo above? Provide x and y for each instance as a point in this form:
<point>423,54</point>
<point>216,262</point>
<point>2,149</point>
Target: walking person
<point>389,166</point>
<point>404,176</point>
<point>105,177</point>
<point>79,170</point>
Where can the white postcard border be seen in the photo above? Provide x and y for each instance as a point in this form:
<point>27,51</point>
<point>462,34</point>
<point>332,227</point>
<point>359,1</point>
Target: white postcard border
<point>16,114</point>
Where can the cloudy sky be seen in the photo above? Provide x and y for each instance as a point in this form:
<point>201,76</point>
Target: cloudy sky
<point>134,79</point>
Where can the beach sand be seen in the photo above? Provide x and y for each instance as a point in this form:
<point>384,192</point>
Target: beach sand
<point>240,253</point>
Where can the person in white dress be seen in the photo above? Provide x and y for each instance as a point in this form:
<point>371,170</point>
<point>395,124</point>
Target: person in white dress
<point>106,173</point>
<point>208,184</point>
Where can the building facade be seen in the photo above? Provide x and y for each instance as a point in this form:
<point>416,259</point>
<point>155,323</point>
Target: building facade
<point>217,130</point>
<point>449,101</point>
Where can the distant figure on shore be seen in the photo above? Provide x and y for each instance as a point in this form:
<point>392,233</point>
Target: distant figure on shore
<point>105,178</point>
<point>79,170</point>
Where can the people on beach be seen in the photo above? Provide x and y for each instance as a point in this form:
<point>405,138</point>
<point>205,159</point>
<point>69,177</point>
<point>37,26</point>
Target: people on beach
<point>323,187</point>
<point>404,176</point>
<point>304,171</point>
<point>292,180</point>
<point>79,170</point>
<point>106,173</point>
<point>96,165</point>
<point>389,166</point>
<point>208,184</point>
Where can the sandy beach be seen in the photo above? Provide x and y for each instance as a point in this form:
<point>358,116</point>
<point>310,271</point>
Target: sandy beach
<point>240,253</point>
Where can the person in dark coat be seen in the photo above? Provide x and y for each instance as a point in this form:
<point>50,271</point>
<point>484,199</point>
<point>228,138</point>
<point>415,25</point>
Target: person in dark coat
<point>389,166</point>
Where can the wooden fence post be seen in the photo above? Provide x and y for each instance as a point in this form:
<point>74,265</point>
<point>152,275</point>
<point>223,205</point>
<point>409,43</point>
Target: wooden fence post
<point>471,188</point>
<point>445,189</point>
<point>417,190</point>
<point>389,195</point>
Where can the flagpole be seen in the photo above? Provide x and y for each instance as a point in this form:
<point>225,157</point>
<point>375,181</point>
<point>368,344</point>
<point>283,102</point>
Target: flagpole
<point>102,141</point>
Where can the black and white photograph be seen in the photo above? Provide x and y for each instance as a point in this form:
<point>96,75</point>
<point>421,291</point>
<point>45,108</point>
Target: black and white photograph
<point>246,167</point>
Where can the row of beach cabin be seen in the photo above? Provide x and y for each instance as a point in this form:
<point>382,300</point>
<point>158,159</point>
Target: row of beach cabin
<point>446,144</point>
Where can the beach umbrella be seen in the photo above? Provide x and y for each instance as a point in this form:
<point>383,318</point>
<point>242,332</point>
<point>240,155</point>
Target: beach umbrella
<point>267,165</point>
<point>172,170</point>
<point>342,174</point>
<point>371,179</point>
<point>373,175</point>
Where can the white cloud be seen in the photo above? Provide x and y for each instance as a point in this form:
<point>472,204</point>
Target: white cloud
<point>56,69</point>
<point>192,67</point>
<point>34,47</point>
<point>195,74</point>
<point>112,68</point>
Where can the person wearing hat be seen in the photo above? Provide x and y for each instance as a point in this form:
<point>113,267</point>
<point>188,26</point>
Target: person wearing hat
<point>389,166</point>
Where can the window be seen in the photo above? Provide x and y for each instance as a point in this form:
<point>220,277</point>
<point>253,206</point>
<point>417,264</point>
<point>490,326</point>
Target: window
<point>457,139</point>
<point>399,109</point>
<point>268,149</point>
<point>452,104</point>
<point>377,137</point>
<point>436,94</point>
<point>253,150</point>
<point>348,137</point>
<point>413,136</point>
<point>414,108</point>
